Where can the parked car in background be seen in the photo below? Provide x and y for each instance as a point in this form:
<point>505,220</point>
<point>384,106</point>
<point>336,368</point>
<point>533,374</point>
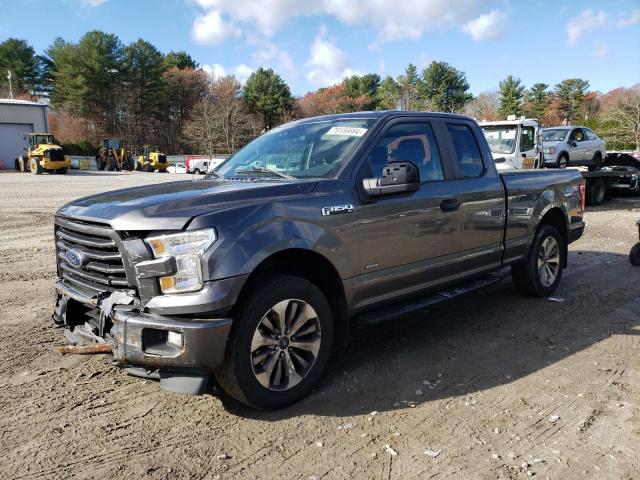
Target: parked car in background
<point>572,146</point>
<point>177,168</point>
<point>197,165</point>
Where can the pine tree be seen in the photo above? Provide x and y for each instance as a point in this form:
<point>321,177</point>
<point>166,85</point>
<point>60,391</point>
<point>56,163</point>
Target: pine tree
<point>571,94</point>
<point>444,88</point>
<point>511,94</point>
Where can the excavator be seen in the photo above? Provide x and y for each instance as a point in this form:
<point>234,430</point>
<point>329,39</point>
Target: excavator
<point>43,155</point>
<point>114,155</point>
<point>152,160</point>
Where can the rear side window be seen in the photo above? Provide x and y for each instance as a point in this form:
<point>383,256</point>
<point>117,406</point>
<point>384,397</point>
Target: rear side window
<point>590,134</point>
<point>467,151</point>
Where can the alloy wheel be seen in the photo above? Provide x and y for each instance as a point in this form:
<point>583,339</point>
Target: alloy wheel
<point>548,261</point>
<point>285,344</point>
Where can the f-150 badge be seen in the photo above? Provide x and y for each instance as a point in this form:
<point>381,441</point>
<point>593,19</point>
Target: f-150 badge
<point>337,209</point>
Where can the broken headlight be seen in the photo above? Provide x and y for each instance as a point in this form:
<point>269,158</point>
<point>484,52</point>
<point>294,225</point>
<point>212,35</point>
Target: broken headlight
<point>187,248</point>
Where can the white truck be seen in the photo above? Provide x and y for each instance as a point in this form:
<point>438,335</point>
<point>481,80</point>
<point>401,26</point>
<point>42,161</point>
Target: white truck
<point>515,143</point>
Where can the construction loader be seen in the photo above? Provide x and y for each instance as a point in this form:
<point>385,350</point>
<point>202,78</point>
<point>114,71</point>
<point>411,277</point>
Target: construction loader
<point>152,160</point>
<point>42,155</point>
<point>114,155</point>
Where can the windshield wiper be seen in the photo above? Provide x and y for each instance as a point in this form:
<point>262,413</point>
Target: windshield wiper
<point>265,170</point>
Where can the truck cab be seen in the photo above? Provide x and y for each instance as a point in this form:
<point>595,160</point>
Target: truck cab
<point>515,143</point>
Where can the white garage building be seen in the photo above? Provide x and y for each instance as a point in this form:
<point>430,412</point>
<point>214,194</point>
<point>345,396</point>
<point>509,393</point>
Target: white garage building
<point>18,118</point>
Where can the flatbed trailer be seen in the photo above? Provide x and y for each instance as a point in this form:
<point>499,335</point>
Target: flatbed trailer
<point>620,172</point>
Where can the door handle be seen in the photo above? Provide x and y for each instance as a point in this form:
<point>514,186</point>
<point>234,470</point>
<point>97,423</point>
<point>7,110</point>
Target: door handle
<point>449,204</point>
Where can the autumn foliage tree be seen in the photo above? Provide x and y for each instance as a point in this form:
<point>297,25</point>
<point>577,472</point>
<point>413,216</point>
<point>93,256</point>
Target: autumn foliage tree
<point>330,100</point>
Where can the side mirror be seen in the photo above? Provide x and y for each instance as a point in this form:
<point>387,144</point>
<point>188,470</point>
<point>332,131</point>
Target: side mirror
<point>573,143</point>
<point>396,177</point>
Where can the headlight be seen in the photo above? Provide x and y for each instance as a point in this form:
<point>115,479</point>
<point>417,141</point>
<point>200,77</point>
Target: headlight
<point>187,248</point>
<point>549,150</point>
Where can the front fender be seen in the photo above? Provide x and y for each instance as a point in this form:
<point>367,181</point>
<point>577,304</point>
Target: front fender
<point>239,251</point>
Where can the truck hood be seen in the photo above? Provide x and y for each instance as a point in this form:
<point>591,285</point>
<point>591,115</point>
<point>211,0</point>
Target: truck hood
<point>170,206</point>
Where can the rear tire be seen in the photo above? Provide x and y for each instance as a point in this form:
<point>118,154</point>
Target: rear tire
<point>62,171</point>
<point>111,164</point>
<point>597,192</point>
<point>596,162</point>
<point>563,161</point>
<point>547,254</point>
<point>148,167</point>
<point>100,163</point>
<point>265,368</point>
<point>196,171</point>
<point>634,255</point>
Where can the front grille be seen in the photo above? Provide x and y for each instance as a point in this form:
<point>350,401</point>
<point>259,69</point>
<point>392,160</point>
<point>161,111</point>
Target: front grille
<point>88,256</point>
<point>56,154</point>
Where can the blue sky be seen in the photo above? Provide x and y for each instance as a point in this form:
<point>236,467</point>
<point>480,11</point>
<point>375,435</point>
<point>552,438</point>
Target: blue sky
<point>313,43</point>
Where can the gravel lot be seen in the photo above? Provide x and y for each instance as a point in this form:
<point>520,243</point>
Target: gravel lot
<point>495,385</point>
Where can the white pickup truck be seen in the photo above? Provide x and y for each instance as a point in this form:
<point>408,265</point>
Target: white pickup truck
<point>515,143</point>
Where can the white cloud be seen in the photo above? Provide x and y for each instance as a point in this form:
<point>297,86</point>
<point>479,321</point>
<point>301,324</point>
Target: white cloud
<point>391,20</point>
<point>217,71</point>
<point>92,3</point>
<point>211,29</point>
<point>601,51</point>
<point>586,22</point>
<point>632,18</point>
<point>327,64</point>
<point>270,55</point>
<point>487,26</point>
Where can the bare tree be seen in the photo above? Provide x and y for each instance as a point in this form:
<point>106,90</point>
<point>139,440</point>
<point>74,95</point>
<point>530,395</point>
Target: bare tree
<point>220,122</point>
<point>623,118</point>
<point>484,107</point>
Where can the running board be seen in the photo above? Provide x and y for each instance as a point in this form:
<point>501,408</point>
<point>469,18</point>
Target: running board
<point>400,309</point>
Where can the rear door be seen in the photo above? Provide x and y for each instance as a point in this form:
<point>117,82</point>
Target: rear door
<point>409,241</point>
<point>483,199</point>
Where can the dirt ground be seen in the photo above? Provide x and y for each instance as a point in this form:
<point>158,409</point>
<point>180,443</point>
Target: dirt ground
<point>495,385</point>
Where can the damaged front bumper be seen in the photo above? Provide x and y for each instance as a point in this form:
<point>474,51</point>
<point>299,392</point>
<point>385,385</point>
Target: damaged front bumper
<point>139,339</point>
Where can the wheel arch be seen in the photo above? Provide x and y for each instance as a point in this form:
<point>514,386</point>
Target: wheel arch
<point>557,218</point>
<point>313,267</point>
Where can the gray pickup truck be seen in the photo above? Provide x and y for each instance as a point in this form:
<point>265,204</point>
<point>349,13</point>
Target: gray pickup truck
<point>254,272</point>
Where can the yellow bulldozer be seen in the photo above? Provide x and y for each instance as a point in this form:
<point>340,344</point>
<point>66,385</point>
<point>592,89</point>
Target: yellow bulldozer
<point>114,155</point>
<point>152,160</point>
<point>42,155</point>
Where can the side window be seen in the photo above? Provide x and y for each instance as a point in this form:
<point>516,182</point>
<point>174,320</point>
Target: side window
<point>527,139</point>
<point>467,151</point>
<point>409,142</point>
<point>577,135</point>
<point>590,134</point>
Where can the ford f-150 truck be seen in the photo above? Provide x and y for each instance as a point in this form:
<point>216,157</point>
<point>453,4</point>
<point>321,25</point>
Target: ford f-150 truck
<point>252,273</point>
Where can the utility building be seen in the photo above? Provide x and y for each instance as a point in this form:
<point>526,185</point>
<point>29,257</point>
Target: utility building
<point>17,119</point>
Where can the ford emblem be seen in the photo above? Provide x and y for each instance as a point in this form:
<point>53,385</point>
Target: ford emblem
<point>74,257</point>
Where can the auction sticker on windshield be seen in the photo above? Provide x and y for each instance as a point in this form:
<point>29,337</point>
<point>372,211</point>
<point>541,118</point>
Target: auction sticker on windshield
<point>347,131</point>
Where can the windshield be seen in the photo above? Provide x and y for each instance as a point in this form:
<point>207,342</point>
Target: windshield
<point>554,134</point>
<point>42,139</point>
<point>501,138</point>
<point>304,150</point>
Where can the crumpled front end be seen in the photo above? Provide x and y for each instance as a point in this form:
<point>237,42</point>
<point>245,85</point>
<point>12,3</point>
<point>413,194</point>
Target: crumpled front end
<point>104,284</point>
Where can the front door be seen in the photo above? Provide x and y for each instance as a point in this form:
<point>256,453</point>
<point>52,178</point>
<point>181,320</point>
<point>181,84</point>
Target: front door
<point>528,146</point>
<point>410,241</point>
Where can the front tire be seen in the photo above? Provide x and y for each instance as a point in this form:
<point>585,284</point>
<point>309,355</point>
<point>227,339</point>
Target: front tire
<point>279,344</point>
<point>540,274</point>
<point>36,167</point>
